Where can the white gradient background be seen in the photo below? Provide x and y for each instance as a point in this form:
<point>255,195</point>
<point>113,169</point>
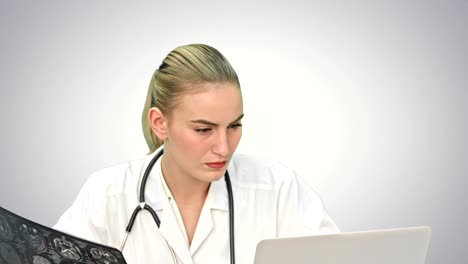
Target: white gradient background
<point>366,99</point>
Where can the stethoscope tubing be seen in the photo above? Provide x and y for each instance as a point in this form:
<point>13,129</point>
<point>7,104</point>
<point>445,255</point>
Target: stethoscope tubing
<point>231,216</point>
<point>144,206</point>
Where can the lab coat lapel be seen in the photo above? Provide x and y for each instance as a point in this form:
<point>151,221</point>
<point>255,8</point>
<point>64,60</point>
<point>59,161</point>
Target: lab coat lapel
<point>215,200</point>
<point>204,227</point>
<point>170,230</point>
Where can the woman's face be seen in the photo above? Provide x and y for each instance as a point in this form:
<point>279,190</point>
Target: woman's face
<point>203,132</point>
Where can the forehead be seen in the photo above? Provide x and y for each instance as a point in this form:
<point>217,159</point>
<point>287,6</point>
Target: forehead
<point>216,102</point>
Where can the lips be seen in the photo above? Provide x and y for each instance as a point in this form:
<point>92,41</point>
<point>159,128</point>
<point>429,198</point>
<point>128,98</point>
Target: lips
<point>216,165</point>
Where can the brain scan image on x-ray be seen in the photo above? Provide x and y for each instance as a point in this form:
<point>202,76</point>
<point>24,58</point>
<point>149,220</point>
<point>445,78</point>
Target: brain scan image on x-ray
<point>67,249</point>
<point>8,254</point>
<point>102,256</point>
<point>31,236</point>
<point>25,242</point>
<point>5,229</point>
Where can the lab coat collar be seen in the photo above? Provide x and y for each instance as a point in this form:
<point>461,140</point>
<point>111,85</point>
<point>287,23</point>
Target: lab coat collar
<point>217,198</point>
<point>171,231</point>
<point>156,198</point>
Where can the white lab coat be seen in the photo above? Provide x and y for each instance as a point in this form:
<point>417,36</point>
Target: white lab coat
<point>270,201</point>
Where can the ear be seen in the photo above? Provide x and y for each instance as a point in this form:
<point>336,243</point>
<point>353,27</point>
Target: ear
<point>157,122</point>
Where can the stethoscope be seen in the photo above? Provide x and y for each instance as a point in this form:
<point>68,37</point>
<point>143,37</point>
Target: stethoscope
<point>145,206</point>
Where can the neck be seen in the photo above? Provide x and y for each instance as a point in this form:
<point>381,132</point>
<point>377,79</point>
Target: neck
<point>185,189</point>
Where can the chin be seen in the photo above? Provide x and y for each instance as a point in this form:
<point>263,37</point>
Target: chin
<point>215,176</point>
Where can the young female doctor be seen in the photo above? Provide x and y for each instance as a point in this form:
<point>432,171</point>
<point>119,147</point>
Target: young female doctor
<point>192,199</point>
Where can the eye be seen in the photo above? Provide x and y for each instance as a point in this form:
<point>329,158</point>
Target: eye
<point>202,130</point>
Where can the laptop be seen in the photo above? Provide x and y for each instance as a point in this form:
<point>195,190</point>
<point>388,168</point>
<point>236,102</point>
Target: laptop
<point>391,246</point>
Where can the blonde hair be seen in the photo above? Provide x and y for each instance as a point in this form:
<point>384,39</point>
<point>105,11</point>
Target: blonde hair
<point>181,71</point>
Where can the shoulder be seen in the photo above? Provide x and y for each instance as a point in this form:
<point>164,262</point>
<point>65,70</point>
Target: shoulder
<point>253,172</point>
<point>278,190</point>
<point>114,179</point>
<point>257,171</point>
<point>105,187</point>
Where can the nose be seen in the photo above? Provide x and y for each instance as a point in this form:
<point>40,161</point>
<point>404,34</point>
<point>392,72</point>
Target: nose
<point>221,144</point>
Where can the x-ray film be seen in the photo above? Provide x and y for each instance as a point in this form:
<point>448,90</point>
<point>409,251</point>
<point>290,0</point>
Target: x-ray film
<point>25,242</point>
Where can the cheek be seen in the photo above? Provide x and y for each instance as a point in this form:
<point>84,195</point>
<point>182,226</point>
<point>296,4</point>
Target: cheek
<point>235,138</point>
<point>188,144</point>
<point>184,140</point>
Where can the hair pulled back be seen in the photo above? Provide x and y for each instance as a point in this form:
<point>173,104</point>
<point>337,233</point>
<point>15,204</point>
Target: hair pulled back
<point>181,71</point>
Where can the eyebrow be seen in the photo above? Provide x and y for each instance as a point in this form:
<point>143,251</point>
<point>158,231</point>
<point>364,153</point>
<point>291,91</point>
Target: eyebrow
<point>206,122</point>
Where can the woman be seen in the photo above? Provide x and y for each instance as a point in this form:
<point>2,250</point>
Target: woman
<point>193,113</point>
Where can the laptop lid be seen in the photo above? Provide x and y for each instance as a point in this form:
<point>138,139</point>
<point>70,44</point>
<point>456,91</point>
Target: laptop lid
<point>391,246</point>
